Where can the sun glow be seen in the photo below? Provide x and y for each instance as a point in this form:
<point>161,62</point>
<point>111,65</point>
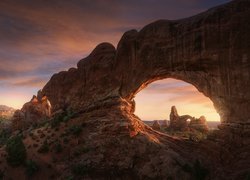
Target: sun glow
<point>155,101</point>
<point>14,99</point>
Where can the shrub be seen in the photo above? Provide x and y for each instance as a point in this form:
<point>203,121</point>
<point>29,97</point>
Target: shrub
<point>81,150</point>
<point>44,148</point>
<point>79,169</point>
<point>31,168</point>
<point>62,117</point>
<point>57,120</point>
<point>70,178</point>
<point>16,151</point>
<point>4,136</point>
<point>1,175</point>
<point>75,130</point>
<point>197,136</point>
<point>197,171</point>
<point>247,176</point>
<point>58,148</point>
<point>65,140</point>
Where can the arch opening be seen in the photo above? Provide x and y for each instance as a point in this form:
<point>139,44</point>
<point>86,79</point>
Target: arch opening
<point>155,102</point>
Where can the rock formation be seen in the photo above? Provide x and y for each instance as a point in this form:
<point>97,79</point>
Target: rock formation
<point>156,125</point>
<point>32,113</point>
<point>199,124</point>
<point>164,123</point>
<point>178,123</point>
<point>210,51</point>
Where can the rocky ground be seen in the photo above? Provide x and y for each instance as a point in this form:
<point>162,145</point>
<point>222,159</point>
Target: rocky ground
<point>100,145</point>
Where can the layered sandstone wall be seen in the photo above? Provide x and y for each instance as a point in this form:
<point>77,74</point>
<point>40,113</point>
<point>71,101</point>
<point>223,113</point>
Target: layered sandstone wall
<point>210,51</point>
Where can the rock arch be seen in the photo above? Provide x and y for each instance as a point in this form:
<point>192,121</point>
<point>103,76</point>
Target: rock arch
<point>210,51</point>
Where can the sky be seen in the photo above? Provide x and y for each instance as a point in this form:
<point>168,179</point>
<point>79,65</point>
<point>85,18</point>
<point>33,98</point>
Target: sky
<point>39,38</point>
<point>154,102</point>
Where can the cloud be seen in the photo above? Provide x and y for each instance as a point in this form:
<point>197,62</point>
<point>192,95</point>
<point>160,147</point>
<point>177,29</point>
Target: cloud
<point>39,38</point>
<point>37,82</point>
<point>25,82</point>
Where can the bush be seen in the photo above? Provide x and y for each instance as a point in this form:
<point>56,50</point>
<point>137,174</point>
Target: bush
<point>57,120</point>
<point>65,140</point>
<point>79,169</point>
<point>4,136</point>
<point>247,176</point>
<point>70,178</point>
<point>31,168</point>
<point>197,136</point>
<point>16,151</point>
<point>81,150</point>
<point>62,117</point>
<point>197,171</point>
<point>44,148</point>
<point>75,130</point>
<point>1,175</point>
<point>58,148</point>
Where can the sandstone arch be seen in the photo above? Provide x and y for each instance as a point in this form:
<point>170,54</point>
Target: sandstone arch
<point>210,51</point>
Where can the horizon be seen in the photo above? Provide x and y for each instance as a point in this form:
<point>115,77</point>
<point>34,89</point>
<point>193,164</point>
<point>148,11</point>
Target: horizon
<point>155,101</point>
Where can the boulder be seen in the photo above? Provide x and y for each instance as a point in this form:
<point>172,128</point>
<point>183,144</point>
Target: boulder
<point>156,125</point>
<point>164,124</point>
<point>199,124</point>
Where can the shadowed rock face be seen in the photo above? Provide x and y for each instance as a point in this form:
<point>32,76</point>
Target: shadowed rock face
<point>210,51</point>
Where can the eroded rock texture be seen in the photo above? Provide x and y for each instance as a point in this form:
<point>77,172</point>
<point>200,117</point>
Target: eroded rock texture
<point>178,123</point>
<point>181,123</point>
<point>33,112</point>
<point>199,124</point>
<point>210,51</point>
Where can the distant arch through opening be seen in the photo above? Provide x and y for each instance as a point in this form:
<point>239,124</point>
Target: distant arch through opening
<point>154,101</point>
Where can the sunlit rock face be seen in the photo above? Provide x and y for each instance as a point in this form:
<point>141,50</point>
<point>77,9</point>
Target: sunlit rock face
<point>210,51</point>
<point>33,112</point>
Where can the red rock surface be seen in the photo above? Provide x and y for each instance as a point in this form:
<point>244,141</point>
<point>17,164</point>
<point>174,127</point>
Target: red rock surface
<point>210,51</point>
<point>32,113</point>
<point>156,125</point>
